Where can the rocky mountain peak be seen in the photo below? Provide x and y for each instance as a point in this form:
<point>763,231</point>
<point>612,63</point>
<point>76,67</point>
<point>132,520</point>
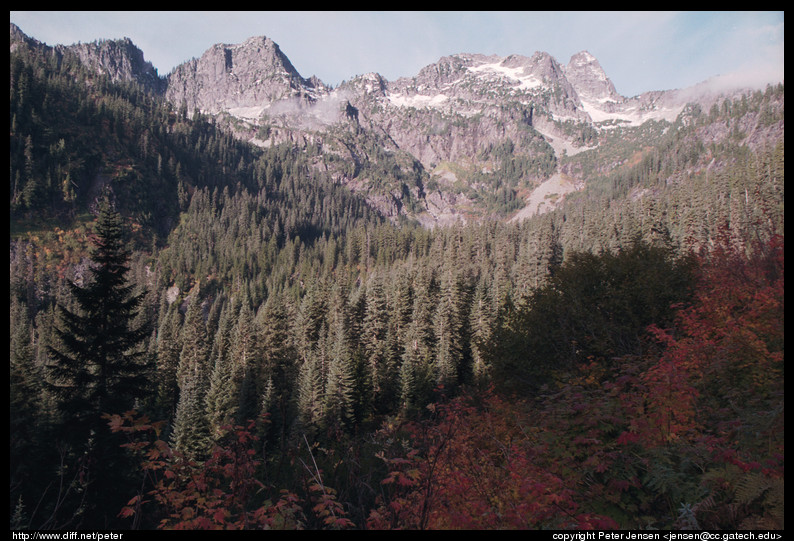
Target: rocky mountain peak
<point>582,58</point>
<point>369,84</point>
<point>241,78</point>
<point>120,59</point>
<point>544,64</point>
<point>589,79</point>
<point>260,50</point>
<point>447,70</point>
<point>19,38</point>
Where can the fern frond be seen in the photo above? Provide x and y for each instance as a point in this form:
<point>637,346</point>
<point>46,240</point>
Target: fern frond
<point>773,503</point>
<point>752,486</point>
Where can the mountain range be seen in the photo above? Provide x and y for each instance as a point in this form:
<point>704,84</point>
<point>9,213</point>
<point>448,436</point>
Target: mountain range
<point>455,134</point>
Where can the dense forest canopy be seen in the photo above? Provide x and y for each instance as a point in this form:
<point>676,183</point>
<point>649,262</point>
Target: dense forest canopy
<point>294,360</point>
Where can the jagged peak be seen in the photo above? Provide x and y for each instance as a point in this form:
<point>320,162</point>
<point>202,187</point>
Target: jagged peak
<point>585,63</point>
<point>258,44</point>
<point>242,78</point>
<point>123,45</point>
<point>517,60</point>
<point>18,37</point>
<point>589,79</point>
<point>17,33</point>
<point>262,48</point>
<point>582,57</point>
<point>370,82</point>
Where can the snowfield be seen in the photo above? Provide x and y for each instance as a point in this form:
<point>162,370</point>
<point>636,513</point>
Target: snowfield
<point>546,196</point>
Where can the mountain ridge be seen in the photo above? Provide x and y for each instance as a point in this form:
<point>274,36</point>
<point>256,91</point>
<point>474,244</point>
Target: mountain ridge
<point>456,134</point>
<point>583,67</point>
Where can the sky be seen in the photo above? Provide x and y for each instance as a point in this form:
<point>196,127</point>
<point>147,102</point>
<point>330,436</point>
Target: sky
<point>639,51</point>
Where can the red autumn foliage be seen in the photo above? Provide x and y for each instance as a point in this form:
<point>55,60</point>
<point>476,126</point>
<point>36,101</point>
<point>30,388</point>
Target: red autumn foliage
<point>221,493</point>
<point>696,429</point>
<point>655,441</point>
<point>475,466</point>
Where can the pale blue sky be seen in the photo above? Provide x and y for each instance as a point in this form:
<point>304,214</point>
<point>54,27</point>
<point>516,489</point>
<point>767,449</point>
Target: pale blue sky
<point>639,51</point>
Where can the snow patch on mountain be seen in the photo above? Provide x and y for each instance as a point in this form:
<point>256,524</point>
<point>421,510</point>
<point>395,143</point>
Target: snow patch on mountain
<point>417,101</point>
<point>631,112</point>
<point>526,82</point>
<point>247,113</point>
<point>547,196</point>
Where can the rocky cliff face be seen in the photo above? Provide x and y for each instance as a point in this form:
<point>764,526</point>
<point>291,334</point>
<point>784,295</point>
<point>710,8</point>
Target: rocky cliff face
<point>19,39</point>
<point>588,78</point>
<point>241,79</point>
<point>119,59</point>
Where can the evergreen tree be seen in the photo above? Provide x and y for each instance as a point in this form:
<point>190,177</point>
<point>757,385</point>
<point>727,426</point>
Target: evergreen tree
<point>246,363</point>
<point>416,380</point>
<point>310,396</point>
<point>98,368</point>
<point>24,400</point>
<point>311,317</point>
<point>339,384</point>
<point>481,321</point>
<point>190,429</point>
<point>279,363</point>
<point>220,400</point>
<point>169,345</point>
<point>374,330</point>
<point>449,326</point>
<point>400,309</point>
<point>193,357</point>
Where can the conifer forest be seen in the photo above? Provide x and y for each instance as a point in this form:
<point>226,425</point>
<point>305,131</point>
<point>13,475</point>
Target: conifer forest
<point>206,334</point>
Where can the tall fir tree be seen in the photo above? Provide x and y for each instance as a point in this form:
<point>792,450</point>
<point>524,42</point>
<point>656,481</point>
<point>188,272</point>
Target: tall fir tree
<point>482,320</point>
<point>279,362</point>
<point>168,346</point>
<point>246,363</point>
<point>373,337</point>
<point>339,389</point>
<point>190,428</point>
<point>98,367</point>
<point>220,401</point>
<point>24,399</point>
<point>449,326</point>
<point>309,397</point>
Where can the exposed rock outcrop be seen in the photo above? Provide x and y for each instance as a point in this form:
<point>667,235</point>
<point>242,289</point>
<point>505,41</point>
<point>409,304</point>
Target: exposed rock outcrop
<point>119,59</point>
<point>241,78</point>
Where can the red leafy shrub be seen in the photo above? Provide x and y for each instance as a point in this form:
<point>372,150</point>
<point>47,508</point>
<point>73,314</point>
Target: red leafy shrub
<point>473,466</point>
<point>691,435</point>
<point>221,493</point>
